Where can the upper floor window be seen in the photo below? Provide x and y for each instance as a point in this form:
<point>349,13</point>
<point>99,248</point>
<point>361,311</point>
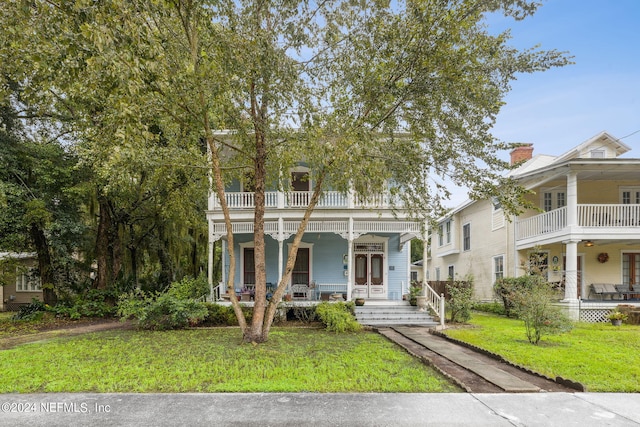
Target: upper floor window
<point>466,237</point>
<point>597,154</point>
<point>553,199</point>
<point>441,235</point>
<point>447,228</point>
<point>630,195</point>
<point>444,233</point>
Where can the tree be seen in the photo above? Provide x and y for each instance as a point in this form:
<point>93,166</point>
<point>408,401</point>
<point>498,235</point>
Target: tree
<point>369,94</point>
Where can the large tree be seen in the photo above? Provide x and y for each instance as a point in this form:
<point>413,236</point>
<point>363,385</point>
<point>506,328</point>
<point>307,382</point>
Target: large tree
<point>368,94</point>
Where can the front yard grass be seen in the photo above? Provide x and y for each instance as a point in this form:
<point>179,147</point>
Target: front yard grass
<point>602,357</point>
<point>215,360</point>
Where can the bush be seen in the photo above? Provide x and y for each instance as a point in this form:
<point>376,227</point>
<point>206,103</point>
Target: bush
<point>534,306</point>
<point>33,311</point>
<point>460,300</point>
<point>161,311</point>
<point>189,288</point>
<point>338,317</point>
<point>415,290</point>
<point>220,315</point>
<point>506,287</point>
<point>489,307</point>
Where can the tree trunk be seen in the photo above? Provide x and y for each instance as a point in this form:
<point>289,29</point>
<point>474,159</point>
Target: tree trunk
<point>102,244</point>
<point>44,264</point>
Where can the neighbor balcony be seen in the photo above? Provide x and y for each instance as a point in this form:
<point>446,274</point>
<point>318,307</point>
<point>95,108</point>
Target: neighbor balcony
<point>591,220</point>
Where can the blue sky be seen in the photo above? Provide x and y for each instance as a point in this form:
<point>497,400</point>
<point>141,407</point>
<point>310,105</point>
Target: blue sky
<point>562,107</point>
<point>558,109</point>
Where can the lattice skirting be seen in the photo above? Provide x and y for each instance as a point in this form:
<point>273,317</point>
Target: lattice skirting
<point>595,315</point>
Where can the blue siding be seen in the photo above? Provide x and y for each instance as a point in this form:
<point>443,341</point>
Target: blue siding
<point>327,251</point>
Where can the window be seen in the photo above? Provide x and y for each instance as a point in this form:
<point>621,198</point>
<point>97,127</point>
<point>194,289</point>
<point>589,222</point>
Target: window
<point>631,269</point>
<point>553,199</point>
<point>440,235</point>
<point>438,273</point>
<point>301,273</point>
<point>466,237</point>
<point>447,226</point>
<point>498,267</point>
<point>495,202</point>
<point>28,281</point>
<point>630,195</point>
<point>451,272</point>
<point>414,276</point>
<point>597,154</point>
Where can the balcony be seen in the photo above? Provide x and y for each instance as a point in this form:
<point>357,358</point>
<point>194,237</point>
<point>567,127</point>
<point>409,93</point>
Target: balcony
<point>591,218</point>
<point>300,200</point>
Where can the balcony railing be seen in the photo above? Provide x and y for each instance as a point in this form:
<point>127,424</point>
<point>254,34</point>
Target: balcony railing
<point>300,199</point>
<point>591,215</point>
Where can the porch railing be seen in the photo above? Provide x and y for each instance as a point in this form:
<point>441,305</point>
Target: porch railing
<point>436,302</point>
<point>609,215</point>
<point>547,222</point>
<point>300,199</point>
<point>588,215</point>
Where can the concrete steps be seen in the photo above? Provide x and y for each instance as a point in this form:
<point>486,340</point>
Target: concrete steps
<point>379,314</point>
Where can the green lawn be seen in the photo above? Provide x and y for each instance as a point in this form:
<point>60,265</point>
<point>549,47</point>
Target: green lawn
<point>214,360</point>
<point>600,356</point>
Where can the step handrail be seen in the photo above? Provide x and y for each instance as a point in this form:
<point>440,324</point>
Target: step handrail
<point>435,301</point>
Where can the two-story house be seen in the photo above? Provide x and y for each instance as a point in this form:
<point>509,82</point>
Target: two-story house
<point>584,233</point>
<point>350,248</point>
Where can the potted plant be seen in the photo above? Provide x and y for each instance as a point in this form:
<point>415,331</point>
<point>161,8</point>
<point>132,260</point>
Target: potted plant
<point>617,317</point>
<point>359,301</point>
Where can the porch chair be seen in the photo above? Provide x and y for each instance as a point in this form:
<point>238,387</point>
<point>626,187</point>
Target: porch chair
<point>299,291</point>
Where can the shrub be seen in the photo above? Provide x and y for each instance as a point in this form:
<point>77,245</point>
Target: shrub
<point>189,288</point>
<point>534,306</point>
<point>506,287</point>
<point>338,317</point>
<point>161,311</point>
<point>220,315</point>
<point>460,300</point>
<point>415,290</point>
<point>33,311</point>
<point>489,307</point>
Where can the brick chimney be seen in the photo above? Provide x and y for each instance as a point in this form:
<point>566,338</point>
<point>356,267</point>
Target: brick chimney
<point>521,153</point>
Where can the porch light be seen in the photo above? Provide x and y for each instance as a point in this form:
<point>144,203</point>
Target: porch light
<point>588,243</point>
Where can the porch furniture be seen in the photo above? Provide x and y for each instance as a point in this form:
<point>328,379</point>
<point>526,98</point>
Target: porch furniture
<point>300,291</point>
<point>604,289</point>
<point>627,292</point>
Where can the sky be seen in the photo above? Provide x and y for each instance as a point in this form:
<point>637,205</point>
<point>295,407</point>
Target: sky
<point>558,109</point>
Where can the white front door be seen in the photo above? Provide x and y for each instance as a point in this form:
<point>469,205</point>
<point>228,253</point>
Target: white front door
<point>369,278</point>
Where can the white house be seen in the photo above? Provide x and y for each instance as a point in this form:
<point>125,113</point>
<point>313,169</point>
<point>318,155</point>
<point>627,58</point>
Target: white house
<point>585,229</point>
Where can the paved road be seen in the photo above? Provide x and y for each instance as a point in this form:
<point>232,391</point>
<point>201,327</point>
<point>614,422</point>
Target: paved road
<point>313,409</point>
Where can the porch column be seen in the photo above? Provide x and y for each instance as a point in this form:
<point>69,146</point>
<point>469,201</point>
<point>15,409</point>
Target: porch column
<point>349,258</point>
<point>280,247</point>
<point>572,199</point>
<point>571,271</point>
<point>425,264</point>
<point>223,266</point>
<point>209,269</point>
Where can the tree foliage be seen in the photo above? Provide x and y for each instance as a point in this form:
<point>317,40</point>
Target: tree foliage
<point>369,95</point>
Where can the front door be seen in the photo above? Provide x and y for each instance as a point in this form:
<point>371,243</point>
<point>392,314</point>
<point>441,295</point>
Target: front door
<point>369,279</point>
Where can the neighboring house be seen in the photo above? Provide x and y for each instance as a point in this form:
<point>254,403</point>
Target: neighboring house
<point>586,230</point>
<point>22,284</point>
<point>350,248</point>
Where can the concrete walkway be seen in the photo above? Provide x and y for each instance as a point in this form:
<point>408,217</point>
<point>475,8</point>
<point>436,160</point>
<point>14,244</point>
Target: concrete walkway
<point>313,409</point>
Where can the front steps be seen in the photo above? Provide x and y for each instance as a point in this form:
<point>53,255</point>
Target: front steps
<point>377,313</point>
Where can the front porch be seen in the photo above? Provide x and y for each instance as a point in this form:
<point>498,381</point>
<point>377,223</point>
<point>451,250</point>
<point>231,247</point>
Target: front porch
<point>597,311</point>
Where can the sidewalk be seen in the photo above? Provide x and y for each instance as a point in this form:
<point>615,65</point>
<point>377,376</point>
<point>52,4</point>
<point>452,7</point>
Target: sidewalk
<point>313,409</point>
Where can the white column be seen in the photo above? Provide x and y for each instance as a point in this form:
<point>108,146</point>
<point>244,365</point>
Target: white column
<point>349,259</point>
<point>571,271</point>
<point>572,199</point>
<point>223,266</point>
<point>280,247</point>
<point>209,269</point>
